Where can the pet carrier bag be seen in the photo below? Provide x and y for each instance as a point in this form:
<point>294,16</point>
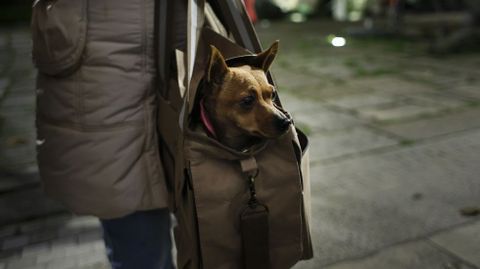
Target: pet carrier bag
<point>234,209</point>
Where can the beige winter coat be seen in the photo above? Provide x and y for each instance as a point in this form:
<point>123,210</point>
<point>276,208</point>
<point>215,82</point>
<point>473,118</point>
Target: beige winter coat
<point>97,145</point>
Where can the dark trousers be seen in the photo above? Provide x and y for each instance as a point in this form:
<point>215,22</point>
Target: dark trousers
<point>139,240</point>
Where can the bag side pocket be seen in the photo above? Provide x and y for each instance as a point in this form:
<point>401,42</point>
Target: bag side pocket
<point>59,31</point>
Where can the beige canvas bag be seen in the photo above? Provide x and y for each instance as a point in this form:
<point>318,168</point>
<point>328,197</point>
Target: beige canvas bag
<point>234,209</point>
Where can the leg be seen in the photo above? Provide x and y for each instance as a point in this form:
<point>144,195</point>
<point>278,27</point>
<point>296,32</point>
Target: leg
<point>139,240</point>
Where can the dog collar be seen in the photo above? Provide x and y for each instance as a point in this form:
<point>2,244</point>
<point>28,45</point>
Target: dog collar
<point>206,121</point>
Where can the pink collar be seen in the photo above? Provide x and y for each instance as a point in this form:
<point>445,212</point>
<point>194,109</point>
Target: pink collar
<point>206,121</point>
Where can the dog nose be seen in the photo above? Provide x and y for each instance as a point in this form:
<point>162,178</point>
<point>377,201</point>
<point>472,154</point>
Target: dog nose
<point>283,123</point>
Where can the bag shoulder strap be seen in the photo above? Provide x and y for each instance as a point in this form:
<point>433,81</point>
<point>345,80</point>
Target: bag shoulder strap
<point>254,224</point>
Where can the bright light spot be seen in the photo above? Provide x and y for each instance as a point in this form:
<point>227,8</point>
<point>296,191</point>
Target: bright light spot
<point>286,5</point>
<point>355,16</point>
<point>297,17</point>
<point>40,142</point>
<point>338,41</point>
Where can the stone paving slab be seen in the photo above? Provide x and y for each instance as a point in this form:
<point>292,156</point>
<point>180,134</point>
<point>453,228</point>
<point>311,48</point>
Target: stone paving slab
<point>19,112</point>
<point>468,90</point>
<point>26,203</point>
<point>367,203</point>
<point>314,116</point>
<point>347,142</point>
<point>301,80</point>
<point>295,105</point>
<point>400,112</point>
<point>333,70</point>
<point>17,139</point>
<point>331,90</point>
<point>465,65</point>
<point>368,99</point>
<point>18,155</point>
<point>13,180</point>
<point>296,81</point>
<point>323,120</point>
<point>19,100</point>
<point>17,135</point>
<point>23,126</point>
<point>440,98</point>
<point>388,105</point>
<point>415,255</point>
<point>4,83</point>
<point>61,242</point>
<point>464,242</point>
<point>431,127</point>
<point>394,85</point>
<point>439,78</point>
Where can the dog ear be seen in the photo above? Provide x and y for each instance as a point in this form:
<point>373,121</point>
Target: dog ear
<point>265,58</point>
<point>217,68</point>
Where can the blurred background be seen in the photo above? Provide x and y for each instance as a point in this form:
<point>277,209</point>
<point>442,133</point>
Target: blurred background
<point>388,92</point>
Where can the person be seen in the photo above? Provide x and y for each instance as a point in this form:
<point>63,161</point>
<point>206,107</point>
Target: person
<point>96,122</point>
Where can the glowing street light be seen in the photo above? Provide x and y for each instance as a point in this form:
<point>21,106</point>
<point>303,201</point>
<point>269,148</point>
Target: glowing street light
<point>339,41</point>
<point>336,41</point>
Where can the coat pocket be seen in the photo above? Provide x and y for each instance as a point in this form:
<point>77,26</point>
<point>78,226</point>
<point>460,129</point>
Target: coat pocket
<point>59,30</point>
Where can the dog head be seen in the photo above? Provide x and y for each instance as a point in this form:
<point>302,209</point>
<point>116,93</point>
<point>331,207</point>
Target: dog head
<point>240,100</point>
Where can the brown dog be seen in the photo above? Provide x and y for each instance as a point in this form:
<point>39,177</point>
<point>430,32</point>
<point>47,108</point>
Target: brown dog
<point>238,106</point>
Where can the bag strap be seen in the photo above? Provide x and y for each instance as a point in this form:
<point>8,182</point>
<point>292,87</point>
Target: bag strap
<point>164,18</point>
<point>239,24</point>
<point>196,18</point>
<point>254,224</point>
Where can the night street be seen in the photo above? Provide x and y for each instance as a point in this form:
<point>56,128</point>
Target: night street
<point>395,150</point>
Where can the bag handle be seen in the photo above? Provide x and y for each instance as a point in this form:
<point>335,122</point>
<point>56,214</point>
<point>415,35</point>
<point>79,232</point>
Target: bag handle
<point>196,19</point>
<point>239,24</point>
<point>195,23</point>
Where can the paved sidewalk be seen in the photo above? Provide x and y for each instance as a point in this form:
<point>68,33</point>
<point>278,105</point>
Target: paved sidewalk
<point>395,144</point>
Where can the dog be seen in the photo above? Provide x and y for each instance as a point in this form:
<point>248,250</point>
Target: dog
<point>237,106</point>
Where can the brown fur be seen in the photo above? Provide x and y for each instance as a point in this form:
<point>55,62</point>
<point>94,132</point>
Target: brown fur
<point>238,122</point>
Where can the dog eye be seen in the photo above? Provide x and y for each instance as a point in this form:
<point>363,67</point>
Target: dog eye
<point>274,95</point>
<point>247,101</point>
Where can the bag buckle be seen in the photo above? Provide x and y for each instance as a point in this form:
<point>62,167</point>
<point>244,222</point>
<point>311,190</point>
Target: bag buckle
<point>253,202</point>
